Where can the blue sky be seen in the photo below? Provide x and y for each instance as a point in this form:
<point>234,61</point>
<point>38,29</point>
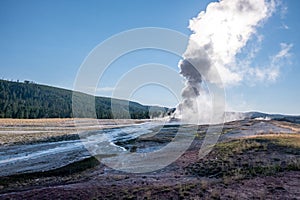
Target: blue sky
<point>47,41</point>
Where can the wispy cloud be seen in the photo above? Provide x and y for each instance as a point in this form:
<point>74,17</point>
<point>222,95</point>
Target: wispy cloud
<point>284,53</point>
<point>283,9</point>
<point>271,71</point>
<point>284,26</point>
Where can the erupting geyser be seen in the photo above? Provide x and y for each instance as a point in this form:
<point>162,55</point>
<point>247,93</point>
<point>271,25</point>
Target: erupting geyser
<point>218,35</point>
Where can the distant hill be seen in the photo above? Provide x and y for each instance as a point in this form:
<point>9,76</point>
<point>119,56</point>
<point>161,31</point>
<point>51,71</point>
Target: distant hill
<point>278,117</point>
<point>260,115</point>
<point>30,100</point>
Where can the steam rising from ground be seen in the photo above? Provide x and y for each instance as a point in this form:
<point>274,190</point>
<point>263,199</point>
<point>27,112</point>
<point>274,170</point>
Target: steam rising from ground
<point>219,34</point>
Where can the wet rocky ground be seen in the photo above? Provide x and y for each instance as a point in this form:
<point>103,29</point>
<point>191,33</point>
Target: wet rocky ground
<point>254,159</point>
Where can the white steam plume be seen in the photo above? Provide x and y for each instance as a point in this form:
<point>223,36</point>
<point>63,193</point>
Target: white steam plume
<point>219,34</point>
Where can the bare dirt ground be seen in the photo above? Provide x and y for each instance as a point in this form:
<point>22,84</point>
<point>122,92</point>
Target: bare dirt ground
<point>261,166</point>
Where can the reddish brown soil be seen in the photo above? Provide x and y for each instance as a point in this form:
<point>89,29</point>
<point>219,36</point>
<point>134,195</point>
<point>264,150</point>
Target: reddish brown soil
<point>172,182</point>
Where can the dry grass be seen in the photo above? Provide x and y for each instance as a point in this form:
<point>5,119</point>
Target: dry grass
<point>292,126</point>
<point>287,140</point>
<point>33,122</point>
<point>64,121</point>
<point>16,131</point>
<point>260,155</point>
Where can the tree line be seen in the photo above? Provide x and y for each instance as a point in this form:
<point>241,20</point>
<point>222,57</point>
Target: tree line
<point>29,100</point>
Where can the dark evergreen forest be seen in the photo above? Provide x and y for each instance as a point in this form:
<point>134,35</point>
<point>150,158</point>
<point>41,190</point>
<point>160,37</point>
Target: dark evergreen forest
<point>30,100</point>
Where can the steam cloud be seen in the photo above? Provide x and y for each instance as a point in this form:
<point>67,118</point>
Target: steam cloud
<point>219,34</point>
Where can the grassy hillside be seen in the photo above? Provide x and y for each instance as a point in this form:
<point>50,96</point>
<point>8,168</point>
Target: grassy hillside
<point>31,100</point>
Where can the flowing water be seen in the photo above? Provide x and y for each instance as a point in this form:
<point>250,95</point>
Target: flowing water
<point>46,156</point>
<point>51,155</point>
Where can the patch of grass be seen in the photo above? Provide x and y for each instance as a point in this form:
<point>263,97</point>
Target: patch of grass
<point>66,137</point>
<point>238,147</point>
<point>250,157</point>
<point>286,140</point>
<point>8,139</point>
